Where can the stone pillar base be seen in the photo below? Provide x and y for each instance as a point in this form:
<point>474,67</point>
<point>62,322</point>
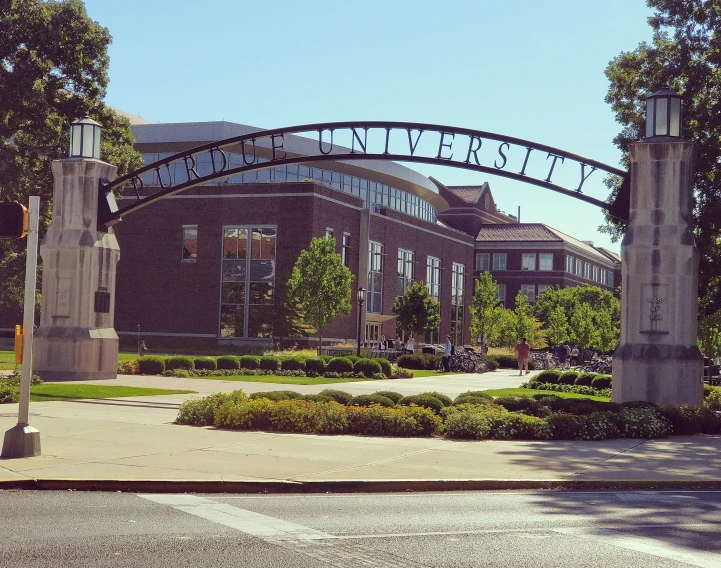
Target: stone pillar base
<point>75,353</point>
<point>666,375</point>
<point>21,441</point>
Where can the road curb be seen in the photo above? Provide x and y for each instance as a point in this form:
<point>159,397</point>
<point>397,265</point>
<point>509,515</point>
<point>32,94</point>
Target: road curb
<point>351,486</point>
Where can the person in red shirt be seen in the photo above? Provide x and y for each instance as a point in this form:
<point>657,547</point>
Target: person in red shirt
<point>523,353</point>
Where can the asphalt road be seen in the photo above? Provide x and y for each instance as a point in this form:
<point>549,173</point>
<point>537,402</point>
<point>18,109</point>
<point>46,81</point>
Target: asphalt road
<point>490,529</point>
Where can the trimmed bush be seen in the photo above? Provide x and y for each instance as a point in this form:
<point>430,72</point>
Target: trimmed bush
<point>269,363</point>
<point>340,365</point>
<point>368,399</point>
<point>507,362</point>
<point>394,396</point>
<point>353,358</point>
<point>566,426</point>
<point>172,363</point>
<point>151,365</point>
<point>602,426</point>
<point>367,367</point>
<point>493,364</point>
<point>315,398</point>
<point>524,404</point>
<point>315,365</point>
<point>601,382</point>
<point>339,396</point>
<point>446,400</point>
<point>275,395</point>
<point>644,422</point>
<point>200,412</point>
<point>478,396</point>
<point>418,361</point>
<point>293,364</point>
<point>399,421</point>
<point>386,367</point>
<point>228,363</point>
<point>585,379</point>
<point>568,378</point>
<point>424,401</point>
<point>327,358</point>
<point>550,376</point>
<point>467,425</point>
<point>205,363</point>
<point>688,420</point>
<point>514,426</point>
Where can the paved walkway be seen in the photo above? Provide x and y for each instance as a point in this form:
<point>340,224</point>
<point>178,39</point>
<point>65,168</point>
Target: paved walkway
<point>131,443</point>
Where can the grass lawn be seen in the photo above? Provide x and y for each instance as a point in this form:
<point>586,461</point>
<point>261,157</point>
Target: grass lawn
<point>431,373</point>
<point>530,392</point>
<point>45,392</point>
<point>283,380</point>
<point>7,360</point>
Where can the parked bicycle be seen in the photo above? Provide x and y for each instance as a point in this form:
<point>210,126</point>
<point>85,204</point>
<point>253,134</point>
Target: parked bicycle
<point>545,360</point>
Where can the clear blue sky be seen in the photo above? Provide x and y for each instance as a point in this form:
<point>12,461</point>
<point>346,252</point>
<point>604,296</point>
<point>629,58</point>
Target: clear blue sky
<point>523,68</point>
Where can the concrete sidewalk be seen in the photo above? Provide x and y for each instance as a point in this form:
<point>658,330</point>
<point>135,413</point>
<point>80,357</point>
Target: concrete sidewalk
<point>131,444</point>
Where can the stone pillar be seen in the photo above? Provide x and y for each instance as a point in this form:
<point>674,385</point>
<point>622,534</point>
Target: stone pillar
<point>76,339</point>
<point>657,359</point>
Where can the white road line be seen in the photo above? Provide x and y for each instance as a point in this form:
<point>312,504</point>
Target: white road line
<point>651,546</point>
<point>268,528</point>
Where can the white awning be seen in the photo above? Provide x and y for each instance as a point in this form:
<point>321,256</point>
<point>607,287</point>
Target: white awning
<point>379,318</point>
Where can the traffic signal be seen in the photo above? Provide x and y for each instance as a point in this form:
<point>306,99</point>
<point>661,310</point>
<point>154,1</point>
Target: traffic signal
<point>14,220</point>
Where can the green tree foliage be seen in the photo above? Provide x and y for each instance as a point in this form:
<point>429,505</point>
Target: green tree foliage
<point>483,307</point>
<point>320,284</point>
<point>417,312</point>
<point>526,324</point>
<point>583,329</point>
<point>557,328</point>
<point>685,54</point>
<point>709,335</point>
<point>53,69</point>
<point>505,332</point>
<point>607,334</point>
<point>286,317</point>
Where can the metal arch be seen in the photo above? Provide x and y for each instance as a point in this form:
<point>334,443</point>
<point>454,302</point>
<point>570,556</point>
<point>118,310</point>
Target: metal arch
<point>183,158</point>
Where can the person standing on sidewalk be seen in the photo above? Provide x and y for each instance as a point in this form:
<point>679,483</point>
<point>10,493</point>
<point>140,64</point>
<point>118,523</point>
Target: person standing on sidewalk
<point>523,353</point>
<point>447,352</point>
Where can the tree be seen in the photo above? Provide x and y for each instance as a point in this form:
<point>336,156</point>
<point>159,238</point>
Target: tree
<point>607,334</point>
<point>684,54</point>
<point>505,334</point>
<point>557,329</point>
<point>583,330</point>
<point>417,311</point>
<point>483,306</point>
<point>286,317</point>
<point>526,324</point>
<point>53,69</point>
<point>709,335</point>
<point>320,284</point>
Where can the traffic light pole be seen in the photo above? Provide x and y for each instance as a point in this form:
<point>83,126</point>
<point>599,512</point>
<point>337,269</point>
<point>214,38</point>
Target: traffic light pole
<point>23,440</point>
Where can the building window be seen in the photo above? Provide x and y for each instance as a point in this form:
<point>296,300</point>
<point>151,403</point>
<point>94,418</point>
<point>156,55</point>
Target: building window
<point>579,267</point>
<point>604,279</point>
<point>587,271</point>
<point>483,261</point>
<point>190,243</point>
<point>502,294</point>
<point>545,261</point>
<point>499,261</point>
<point>375,278</point>
<point>529,291</point>
<point>595,274</point>
<point>609,279</point>
<point>528,262</point>
<point>247,281</point>
<point>542,288</point>
<point>569,264</point>
<point>328,231</point>
<point>433,277</point>
<point>457,282</point>
<point>405,270</point>
<point>345,251</point>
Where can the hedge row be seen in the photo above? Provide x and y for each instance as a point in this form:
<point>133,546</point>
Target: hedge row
<point>313,366</point>
<point>428,361</point>
<point>386,413</point>
<point>595,380</point>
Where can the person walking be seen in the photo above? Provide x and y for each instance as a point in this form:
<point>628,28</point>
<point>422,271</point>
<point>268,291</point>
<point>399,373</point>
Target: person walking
<point>410,345</point>
<point>561,354</point>
<point>574,356</point>
<point>523,354</point>
<point>448,350</point>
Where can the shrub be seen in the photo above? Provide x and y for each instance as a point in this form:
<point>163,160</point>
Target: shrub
<point>394,396</point>
<point>315,365</point>
<point>129,367</point>
<point>340,365</point>
<point>367,367</point>
<point>402,373</point>
<point>687,420</point>
<point>399,421</point>
<point>339,396</point>
<point>179,362</point>
<point>386,367</point>
<point>568,378</point>
<point>424,401</point>
<point>601,382</point>
<point>368,399</point>
<point>269,363</point>
<point>228,363</point>
<point>566,426</point>
<point>526,405</point>
<point>151,365</point>
<point>327,358</point>
<point>644,423</point>
<point>467,425</point>
<point>601,426</point>
<point>482,397</point>
<point>275,395</point>
<point>446,400</point>
<point>181,373</point>
<point>205,363</point>
<point>507,362</point>
<point>513,426</point>
<point>353,358</point>
<point>315,398</point>
<point>8,393</point>
<point>246,415</point>
<point>293,364</point>
<point>585,379</point>
<point>200,412</point>
<point>418,361</point>
<point>551,377</point>
<point>493,364</point>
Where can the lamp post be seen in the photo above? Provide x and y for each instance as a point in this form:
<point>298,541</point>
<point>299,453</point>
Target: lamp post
<point>663,114</point>
<point>85,138</point>
<point>361,299</point>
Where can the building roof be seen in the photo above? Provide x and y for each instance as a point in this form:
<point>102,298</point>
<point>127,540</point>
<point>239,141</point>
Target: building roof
<point>537,233</point>
<point>610,254</point>
<point>467,193</point>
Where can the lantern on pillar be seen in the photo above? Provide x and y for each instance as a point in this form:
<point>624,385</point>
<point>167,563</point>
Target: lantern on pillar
<point>85,138</point>
<point>663,114</point>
